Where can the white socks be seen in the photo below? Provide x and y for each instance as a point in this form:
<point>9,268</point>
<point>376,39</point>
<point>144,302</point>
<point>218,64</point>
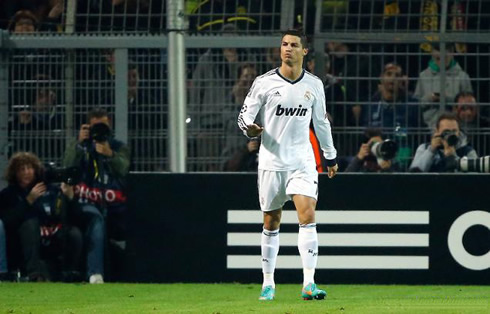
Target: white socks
<point>308,249</point>
<point>307,246</point>
<point>270,248</point>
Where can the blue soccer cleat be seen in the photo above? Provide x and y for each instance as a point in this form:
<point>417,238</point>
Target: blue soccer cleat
<point>310,292</point>
<point>267,293</point>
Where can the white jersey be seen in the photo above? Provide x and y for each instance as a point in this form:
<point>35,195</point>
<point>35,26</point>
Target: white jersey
<point>285,109</point>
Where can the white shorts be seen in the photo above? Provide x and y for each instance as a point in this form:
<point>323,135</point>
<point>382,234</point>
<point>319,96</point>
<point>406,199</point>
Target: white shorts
<point>277,187</point>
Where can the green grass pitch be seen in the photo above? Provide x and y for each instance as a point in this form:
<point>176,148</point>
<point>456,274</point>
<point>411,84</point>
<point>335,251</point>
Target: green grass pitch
<point>238,298</point>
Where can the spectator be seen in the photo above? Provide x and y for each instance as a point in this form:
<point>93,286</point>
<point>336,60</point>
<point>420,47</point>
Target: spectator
<point>95,81</point>
<point>212,80</point>
<point>34,212</point>
<point>472,121</point>
<point>104,162</point>
<point>310,62</point>
<point>209,96</point>
<point>42,113</point>
<point>448,143</point>
<point>47,13</point>
<point>468,111</point>
<point>233,138</point>
<point>366,161</point>
<point>246,159</point>
<point>351,70</point>
<point>391,105</point>
<point>428,87</point>
<point>272,59</point>
<point>146,116</point>
<point>24,21</point>
<point>145,112</point>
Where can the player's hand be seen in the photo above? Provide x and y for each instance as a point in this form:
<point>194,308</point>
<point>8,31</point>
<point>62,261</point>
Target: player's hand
<point>84,133</point>
<point>37,191</point>
<point>103,148</point>
<point>332,171</point>
<point>253,130</point>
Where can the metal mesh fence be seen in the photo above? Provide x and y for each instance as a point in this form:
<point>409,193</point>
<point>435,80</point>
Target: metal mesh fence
<point>33,16</point>
<point>38,105</point>
<point>142,16</point>
<point>403,16</point>
<point>388,86</point>
<point>37,113</point>
<point>133,16</point>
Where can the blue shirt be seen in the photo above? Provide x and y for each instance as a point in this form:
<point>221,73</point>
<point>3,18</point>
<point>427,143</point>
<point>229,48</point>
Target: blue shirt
<point>382,114</point>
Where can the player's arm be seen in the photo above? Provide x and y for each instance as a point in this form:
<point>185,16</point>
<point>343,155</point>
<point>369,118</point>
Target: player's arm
<point>251,107</point>
<point>323,131</point>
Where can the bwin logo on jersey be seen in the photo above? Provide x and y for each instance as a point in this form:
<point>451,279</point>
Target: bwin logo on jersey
<point>300,111</point>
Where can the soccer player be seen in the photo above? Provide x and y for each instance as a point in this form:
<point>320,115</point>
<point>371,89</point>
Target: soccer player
<point>285,100</point>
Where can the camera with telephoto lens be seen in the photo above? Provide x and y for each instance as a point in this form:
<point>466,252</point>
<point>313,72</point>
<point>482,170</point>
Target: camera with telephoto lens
<point>69,175</point>
<point>385,150</point>
<point>480,164</point>
<point>100,132</point>
<point>450,137</point>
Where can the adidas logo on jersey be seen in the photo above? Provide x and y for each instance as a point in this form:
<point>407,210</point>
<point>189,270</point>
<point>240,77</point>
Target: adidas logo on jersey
<point>301,112</point>
<point>276,94</point>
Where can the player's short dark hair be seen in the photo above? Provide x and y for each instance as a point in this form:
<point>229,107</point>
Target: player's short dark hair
<point>446,116</point>
<point>98,113</point>
<point>297,33</point>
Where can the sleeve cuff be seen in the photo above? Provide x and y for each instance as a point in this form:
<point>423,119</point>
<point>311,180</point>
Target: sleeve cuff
<point>331,162</point>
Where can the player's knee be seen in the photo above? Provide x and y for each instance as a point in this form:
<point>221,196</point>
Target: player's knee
<point>271,225</point>
<point>306,216</point>
<point>272,220</point>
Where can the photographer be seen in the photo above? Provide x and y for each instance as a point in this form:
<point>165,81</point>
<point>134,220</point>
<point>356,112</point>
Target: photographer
<point>245,159</point>
<point>39,219</point>
<point>104,162</point>
<point>366,161</point>
<point>447,144</point>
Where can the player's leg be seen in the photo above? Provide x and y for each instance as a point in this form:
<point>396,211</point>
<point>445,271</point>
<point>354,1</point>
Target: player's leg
<point>308,245</point>
<point>270,245</point>
<point>303,186</point>
<point>307,236</point>
<point>272,197</point>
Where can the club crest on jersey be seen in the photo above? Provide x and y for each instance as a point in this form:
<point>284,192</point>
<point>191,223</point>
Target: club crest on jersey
<point>289,112</point>
<point>308,95</point>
